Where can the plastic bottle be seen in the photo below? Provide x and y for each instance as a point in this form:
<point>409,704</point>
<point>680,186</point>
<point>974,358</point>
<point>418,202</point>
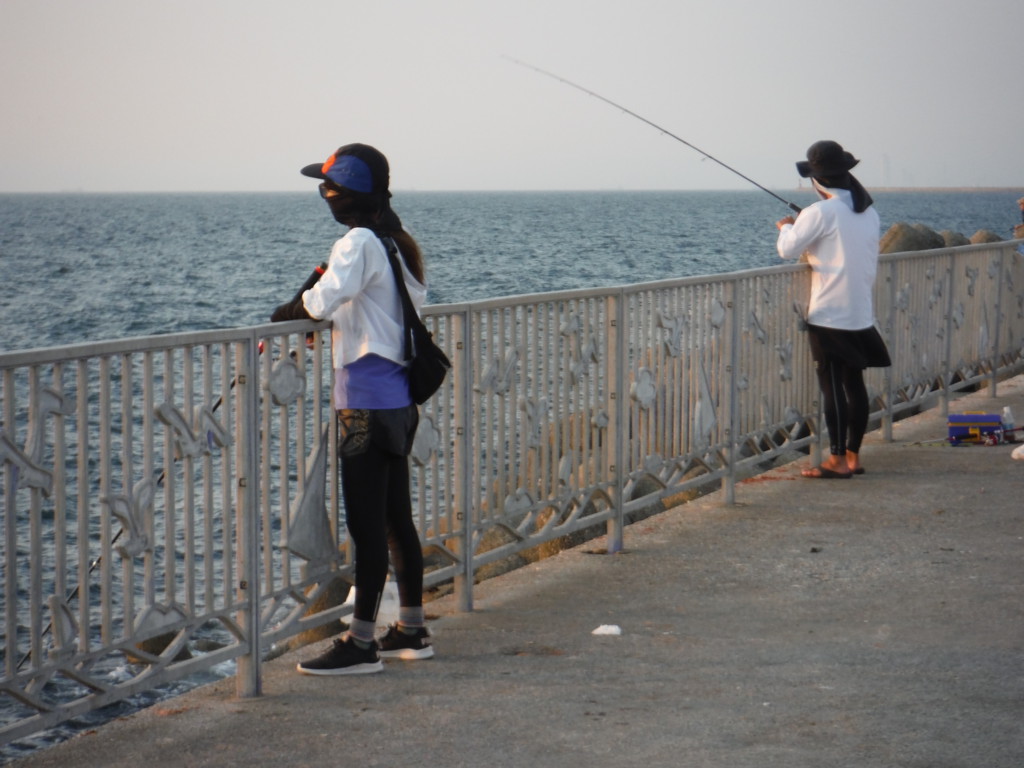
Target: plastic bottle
<point>1008,423</point>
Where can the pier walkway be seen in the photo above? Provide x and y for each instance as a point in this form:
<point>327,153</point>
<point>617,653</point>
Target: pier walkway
<point>876,621</point>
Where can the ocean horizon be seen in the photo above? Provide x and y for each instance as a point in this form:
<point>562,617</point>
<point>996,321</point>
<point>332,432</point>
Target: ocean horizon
<point>93,266</point>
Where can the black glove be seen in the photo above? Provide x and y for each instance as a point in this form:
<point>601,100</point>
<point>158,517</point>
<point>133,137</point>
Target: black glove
<point>290,310</point>
<point>295,309</point>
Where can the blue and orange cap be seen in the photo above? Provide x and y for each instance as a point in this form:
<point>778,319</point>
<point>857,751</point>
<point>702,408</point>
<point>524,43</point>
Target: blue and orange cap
<point>358,167</point>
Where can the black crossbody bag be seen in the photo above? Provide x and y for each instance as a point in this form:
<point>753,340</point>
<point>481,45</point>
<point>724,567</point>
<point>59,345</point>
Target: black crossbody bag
<point>428,364</point>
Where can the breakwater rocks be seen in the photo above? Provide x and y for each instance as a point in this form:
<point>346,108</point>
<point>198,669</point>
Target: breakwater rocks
<point>902,237</point>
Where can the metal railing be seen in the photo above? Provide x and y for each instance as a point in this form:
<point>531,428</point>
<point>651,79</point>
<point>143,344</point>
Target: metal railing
<point>171,503</point>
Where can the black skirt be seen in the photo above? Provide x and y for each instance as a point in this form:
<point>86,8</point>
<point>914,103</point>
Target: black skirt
<point>855,349</point>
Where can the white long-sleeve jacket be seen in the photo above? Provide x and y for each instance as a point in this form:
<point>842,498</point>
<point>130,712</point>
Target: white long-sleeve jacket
<point>359,294</point>
<point>842,249</point>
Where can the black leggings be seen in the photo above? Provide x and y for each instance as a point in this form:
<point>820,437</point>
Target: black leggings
<point>378,513</point>
<point>845,402</point>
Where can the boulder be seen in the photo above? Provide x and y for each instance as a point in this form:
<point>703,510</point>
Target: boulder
<point>156,646</point>
<point>985,236</point>
<point>953,239</point>
<point>335,594</point>
<point>910,237</point>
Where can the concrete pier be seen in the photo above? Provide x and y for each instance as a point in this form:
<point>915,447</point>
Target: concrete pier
<point>875,621</point>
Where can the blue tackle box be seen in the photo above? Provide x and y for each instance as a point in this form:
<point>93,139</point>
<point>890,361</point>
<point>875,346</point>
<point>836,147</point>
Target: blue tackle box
<point>974,427</point>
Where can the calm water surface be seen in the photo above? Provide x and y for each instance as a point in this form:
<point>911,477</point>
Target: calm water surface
<point>86,267</point>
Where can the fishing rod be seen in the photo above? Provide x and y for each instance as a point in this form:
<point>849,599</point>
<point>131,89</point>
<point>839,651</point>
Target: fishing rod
<point>98,560</point>
<point>793,206</point>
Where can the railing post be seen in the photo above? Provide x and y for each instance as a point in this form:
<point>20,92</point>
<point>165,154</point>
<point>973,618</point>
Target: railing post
<point>616,336</point>
<point>947,373</point>
<point>995,335</point>
<point>465,455</point>
<point>248,678</point>
<point>890,411</point>
<point>729,481</point>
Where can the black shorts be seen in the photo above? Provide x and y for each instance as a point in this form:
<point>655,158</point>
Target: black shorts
<point>389,429</point>
<point>854,349</point>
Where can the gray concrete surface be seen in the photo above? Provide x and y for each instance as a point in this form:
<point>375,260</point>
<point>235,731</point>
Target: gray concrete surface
<point>876,621</point>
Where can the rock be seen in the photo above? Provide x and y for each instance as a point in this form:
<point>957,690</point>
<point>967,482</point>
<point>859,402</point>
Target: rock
<point>334,595</point>
<point>156,646</point>
<point>985,236</point>
<point>953,239</point>
<point>910,237</point>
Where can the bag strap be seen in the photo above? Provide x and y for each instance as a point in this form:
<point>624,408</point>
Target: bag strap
<point>409,316</point>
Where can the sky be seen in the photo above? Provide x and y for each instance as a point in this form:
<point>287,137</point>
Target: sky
<point>237,95</point>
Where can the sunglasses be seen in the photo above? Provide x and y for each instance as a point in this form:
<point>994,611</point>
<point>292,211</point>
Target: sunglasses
<point>328,190</point>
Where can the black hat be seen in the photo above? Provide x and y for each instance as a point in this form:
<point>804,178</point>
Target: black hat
<point>358,167</point>
<point>826,159</point>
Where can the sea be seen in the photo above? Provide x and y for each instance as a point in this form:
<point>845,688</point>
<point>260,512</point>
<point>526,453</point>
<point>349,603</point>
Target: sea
<point>78,268</point>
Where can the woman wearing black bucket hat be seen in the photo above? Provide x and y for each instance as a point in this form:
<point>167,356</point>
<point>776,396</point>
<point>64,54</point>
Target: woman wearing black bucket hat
<point>377,417</point>
<point>839,234</point>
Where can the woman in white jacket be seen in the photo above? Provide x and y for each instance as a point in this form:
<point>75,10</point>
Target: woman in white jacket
<point>358,292</point>
<point>839,235</point>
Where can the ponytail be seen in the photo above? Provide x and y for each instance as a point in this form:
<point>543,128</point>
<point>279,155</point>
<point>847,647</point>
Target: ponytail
<point>411,253</point>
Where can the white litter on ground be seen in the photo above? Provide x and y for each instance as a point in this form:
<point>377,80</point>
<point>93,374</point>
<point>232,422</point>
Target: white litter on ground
<point>607,629</point>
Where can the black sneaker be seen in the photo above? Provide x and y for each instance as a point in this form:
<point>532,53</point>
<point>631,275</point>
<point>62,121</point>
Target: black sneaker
<point>344,657</point>
<point>397,644</point>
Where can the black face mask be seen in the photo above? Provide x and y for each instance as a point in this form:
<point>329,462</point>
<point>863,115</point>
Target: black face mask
<point>348,212</point>
<point>341,209</point>
<point>360,213</point>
